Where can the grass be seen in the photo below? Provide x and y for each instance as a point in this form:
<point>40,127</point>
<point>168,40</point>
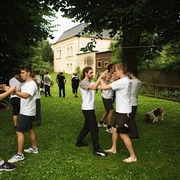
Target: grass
<point>157,149</point>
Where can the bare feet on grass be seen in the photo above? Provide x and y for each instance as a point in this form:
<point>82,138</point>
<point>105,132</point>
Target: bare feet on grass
<point>130,160</point>
<point>111,151</point>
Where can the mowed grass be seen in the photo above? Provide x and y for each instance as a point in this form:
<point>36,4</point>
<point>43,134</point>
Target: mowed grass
<point>157,149</point>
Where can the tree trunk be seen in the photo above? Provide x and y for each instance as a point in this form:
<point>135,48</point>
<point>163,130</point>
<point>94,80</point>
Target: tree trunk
<point>129,49</point>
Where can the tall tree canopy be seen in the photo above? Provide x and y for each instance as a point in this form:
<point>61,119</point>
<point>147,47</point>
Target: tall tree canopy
<point>129,18</point>
<point>22,24</point>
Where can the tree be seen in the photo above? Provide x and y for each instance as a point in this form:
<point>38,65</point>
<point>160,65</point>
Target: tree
<point>116,52</point>
<point>89,47</point>
<point>42,58</point>
<point>22,24</point>
<point>129,19</point>
<point>47,53</point>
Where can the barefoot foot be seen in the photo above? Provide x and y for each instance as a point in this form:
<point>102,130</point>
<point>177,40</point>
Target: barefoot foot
<point>130,160</point>
<point>111,151</point>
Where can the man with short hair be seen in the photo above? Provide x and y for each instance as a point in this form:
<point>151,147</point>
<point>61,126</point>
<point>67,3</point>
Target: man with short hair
<point>61,80</point>
<point>27,114</point>
<point>122,89</point>
<point>87,88</point>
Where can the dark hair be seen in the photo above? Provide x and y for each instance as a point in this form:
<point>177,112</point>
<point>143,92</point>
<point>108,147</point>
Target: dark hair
<point>134,72</point>
<point>109,67</point>
<point>85,70</point>
<point>28,69</point>
<point>17,71</point>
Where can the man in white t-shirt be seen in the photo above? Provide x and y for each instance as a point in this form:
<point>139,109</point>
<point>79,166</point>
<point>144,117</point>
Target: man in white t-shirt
<point>107,98</point>
<point>87,88</point>
<point>15,100</point>
<point>122,88</point>
<point>136,84</point>
<point>27,114</point>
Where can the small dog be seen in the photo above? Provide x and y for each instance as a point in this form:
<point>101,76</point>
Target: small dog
<point>154,116</point>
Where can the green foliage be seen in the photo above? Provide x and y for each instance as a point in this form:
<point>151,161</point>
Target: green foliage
<point>23,23</point>
<point>128,20</point>
<point>47,52</point>
<point>78,72</point>
<point>161,58</point>
<point>58,158</point>
<point>116,52</point>
<point>171,95</point>
<point>42,58</point>
<point>169,57</point>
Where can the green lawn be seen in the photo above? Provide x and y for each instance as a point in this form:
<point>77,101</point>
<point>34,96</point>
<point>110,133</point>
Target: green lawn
<point>157,149</point>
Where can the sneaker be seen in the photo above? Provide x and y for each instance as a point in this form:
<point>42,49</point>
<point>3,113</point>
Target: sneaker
<point>7,167</point>
<point>16,158</point>
<point>108,130</point>
<point>102,125</point>
<point>31,150</point>
<point>81,144</point>
<point>100,153</point>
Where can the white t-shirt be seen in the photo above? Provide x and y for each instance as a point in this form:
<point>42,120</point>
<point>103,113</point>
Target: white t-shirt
<point>136,84</point>
<point>122,89</point>
<point>28,106</point>
<point>87,95</point>
<point>14,82</point>
<point>107,94</point>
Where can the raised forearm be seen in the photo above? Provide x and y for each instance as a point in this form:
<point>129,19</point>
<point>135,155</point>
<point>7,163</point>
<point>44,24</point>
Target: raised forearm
<point>22,95</point>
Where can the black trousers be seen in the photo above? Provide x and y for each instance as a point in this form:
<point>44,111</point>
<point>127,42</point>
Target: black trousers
<point>62,89</point>
<point>91,126</point>
<point>38,111</point>
<point>47,90</point>
<point>132,123</point>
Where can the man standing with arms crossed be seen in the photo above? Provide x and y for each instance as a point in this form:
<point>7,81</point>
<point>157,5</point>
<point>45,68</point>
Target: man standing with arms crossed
<point>27,114</point>
<point>122,88</point>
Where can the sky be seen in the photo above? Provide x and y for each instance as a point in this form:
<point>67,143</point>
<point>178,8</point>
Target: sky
<point>64,24</point>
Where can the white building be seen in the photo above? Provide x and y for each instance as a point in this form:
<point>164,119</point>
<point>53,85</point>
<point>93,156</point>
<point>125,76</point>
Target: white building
<point>67,54</point>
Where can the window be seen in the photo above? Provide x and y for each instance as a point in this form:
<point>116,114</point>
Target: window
<point>67,51</point>
<point>106,63</point>
<point>60,53</point>
<point>68,67</point>
<point>71,51</point>
<point>99,64</point>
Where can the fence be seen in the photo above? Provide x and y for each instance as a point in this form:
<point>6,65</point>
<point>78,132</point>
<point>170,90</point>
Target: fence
<point>159,81</point>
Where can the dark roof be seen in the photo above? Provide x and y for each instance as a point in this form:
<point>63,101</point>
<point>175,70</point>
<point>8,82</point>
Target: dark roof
<point>78,30</point>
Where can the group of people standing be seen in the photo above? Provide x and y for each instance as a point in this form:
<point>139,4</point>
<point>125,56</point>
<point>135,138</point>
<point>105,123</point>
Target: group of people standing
<point>116,83</point>
<point>27,91</point>
<point>124,125</point>
<point>61,80</point>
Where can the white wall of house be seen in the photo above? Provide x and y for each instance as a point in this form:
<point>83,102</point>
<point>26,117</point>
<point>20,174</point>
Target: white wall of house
<point>87,59</point>
<point>67,54</point>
